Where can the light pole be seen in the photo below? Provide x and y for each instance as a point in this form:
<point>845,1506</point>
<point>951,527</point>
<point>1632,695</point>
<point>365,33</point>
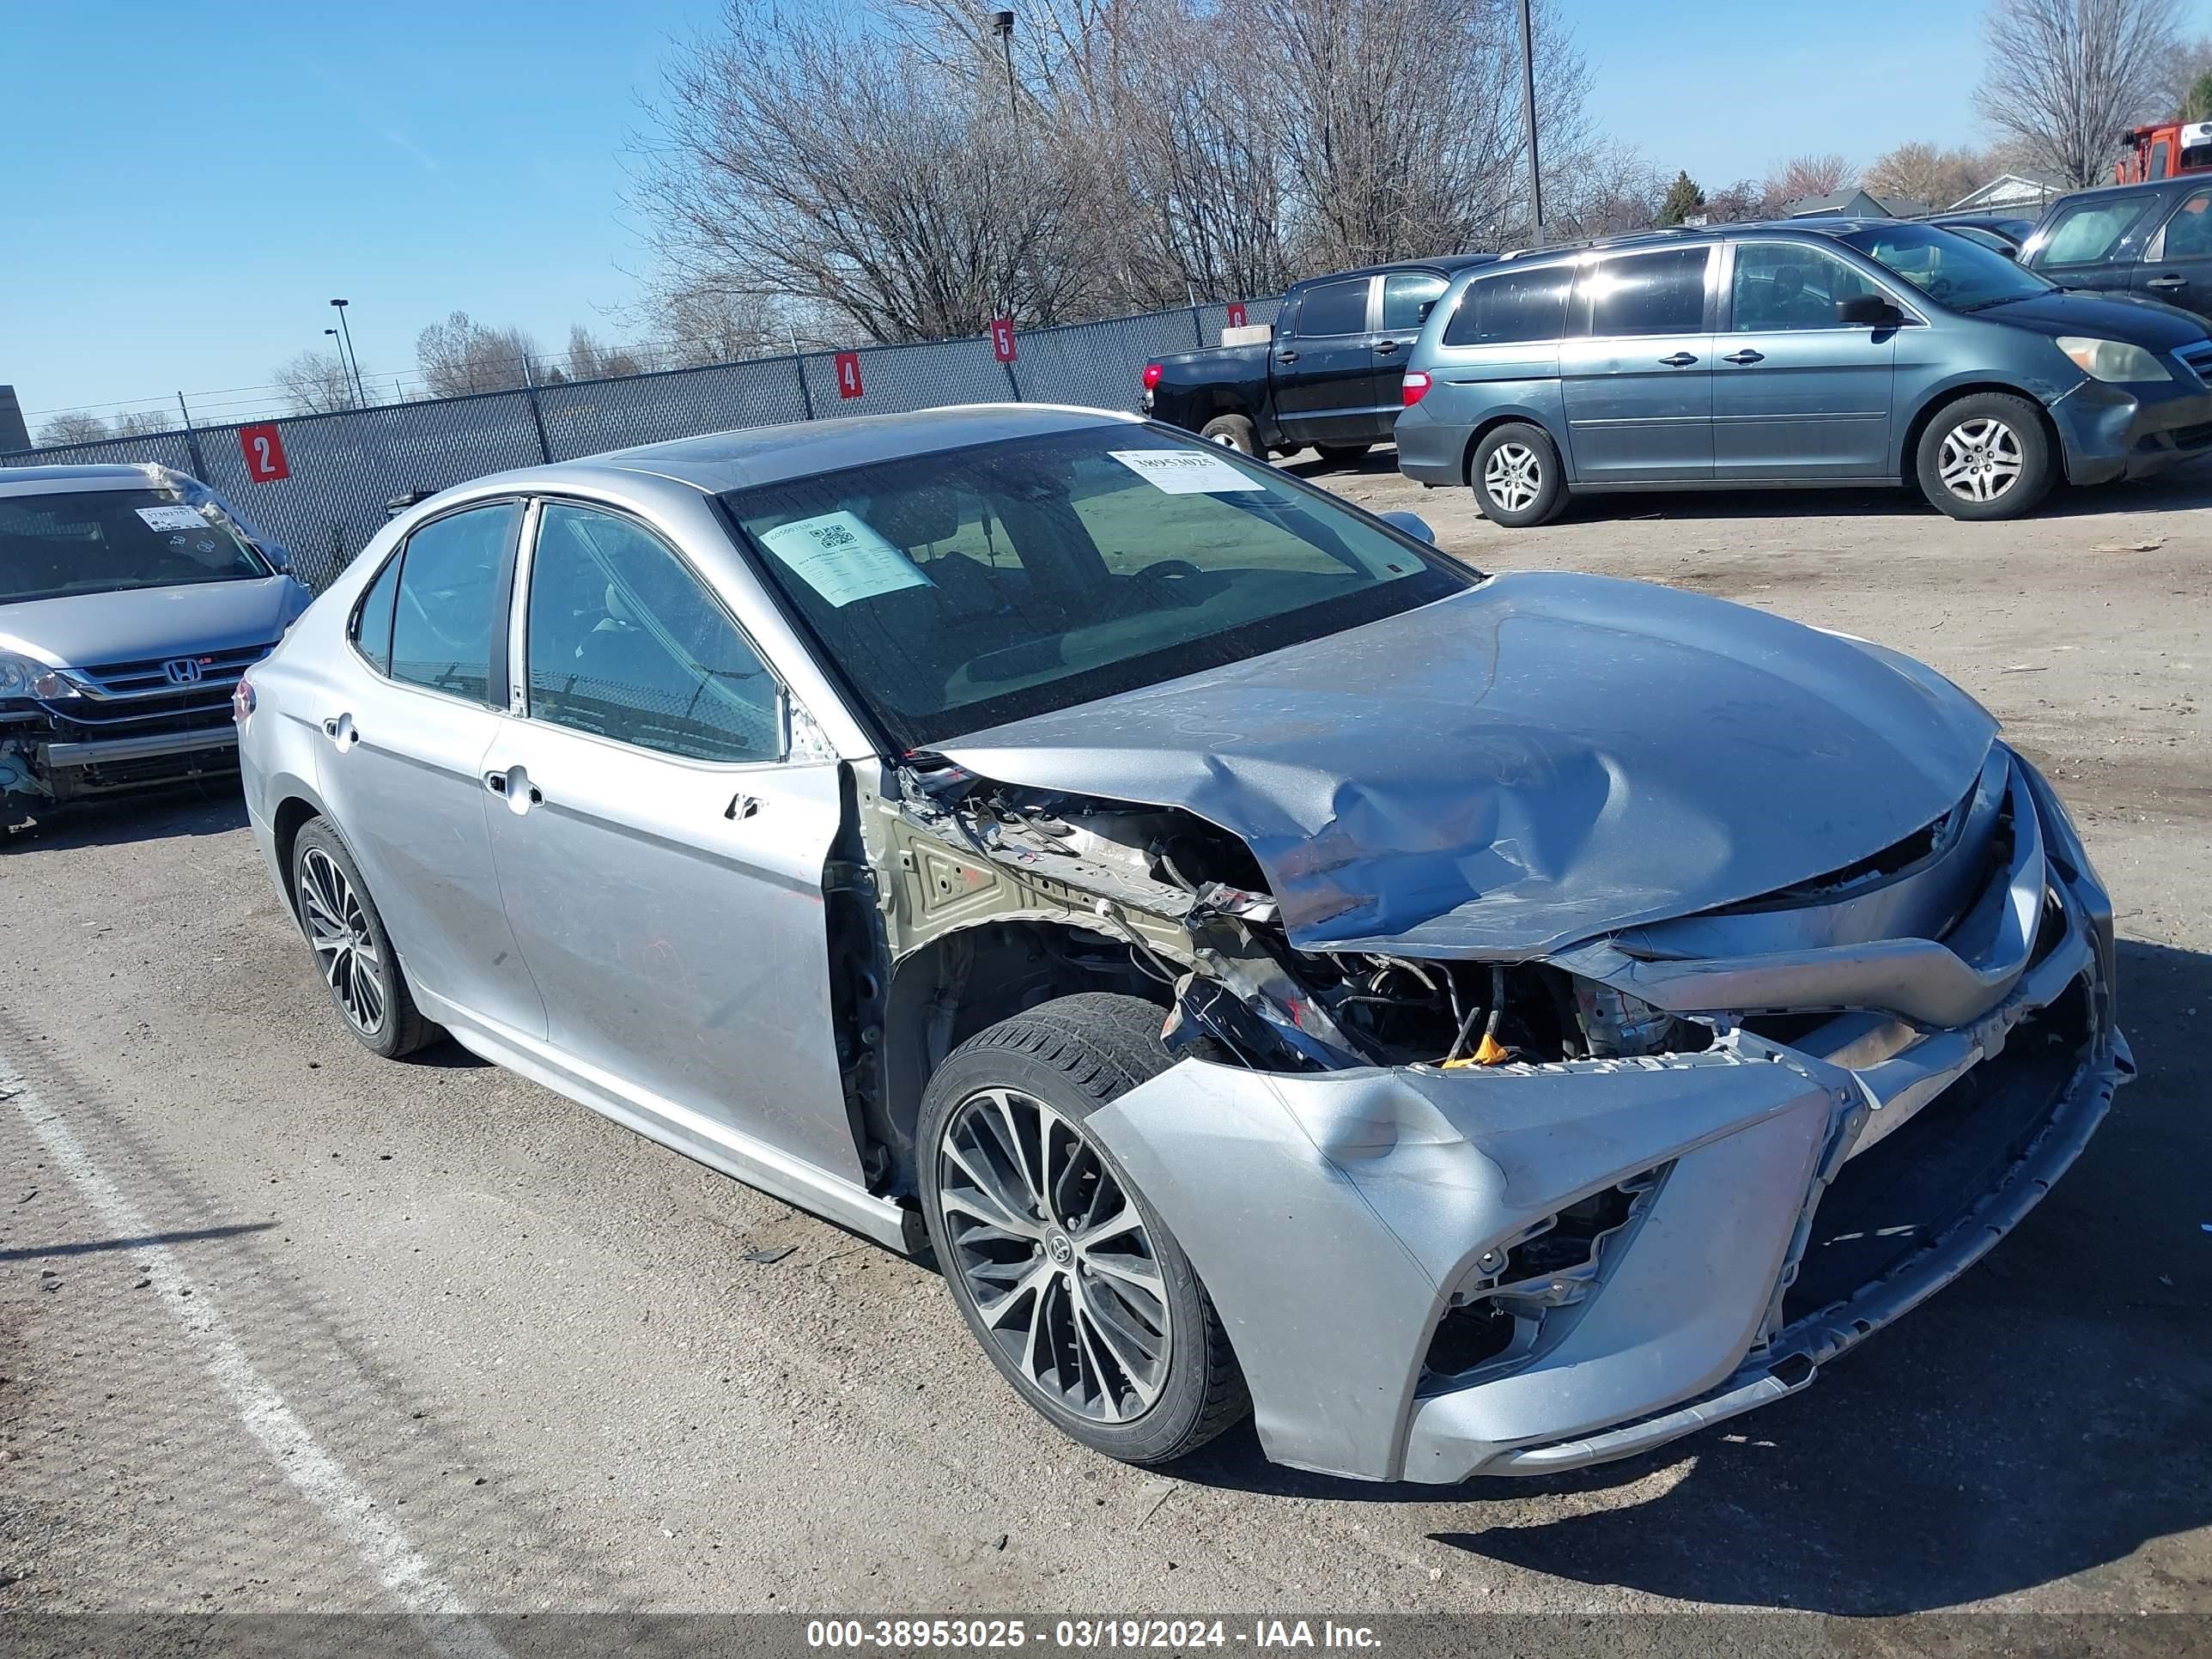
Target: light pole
<point>1002,24</point>
<point>345,338</point>
<point>333,333</point>
<point>1529,115</point>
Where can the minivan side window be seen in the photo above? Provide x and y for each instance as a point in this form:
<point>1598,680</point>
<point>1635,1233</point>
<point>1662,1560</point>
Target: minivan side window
<point>624,642</point>
<point>2090,234</point>
<point>1512,307</point>
<point>1788,285</point>
<point>1332,308</point>
<point>449,604</point>
<point>1407,295</point>
<point>1648,293</point>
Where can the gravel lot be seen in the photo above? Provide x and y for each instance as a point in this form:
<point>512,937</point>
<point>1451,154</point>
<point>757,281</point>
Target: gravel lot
<point>537,1347</point>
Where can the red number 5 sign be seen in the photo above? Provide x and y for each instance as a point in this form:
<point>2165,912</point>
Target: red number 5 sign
<point>1002,338</point>
<point>264,454</point>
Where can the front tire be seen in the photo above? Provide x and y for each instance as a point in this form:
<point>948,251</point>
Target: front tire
<point>1068,1277</point>
<point>1985,456</point>
<point>353,952</point>
<point>1234,432</point>
<point>1517,479</point>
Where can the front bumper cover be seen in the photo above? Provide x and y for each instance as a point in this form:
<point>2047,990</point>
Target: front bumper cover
<point>2130,431</point>
<point>1332,1217</point>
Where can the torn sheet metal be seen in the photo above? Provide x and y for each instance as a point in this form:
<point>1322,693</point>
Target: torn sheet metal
<point>1537,760</point>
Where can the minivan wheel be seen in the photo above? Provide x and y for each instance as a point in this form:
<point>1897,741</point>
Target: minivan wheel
<point>352,951</point>
<point>1234,432</point>
<point>1066,1275</point>
<point>1986,456</point>
<point>1517,475</point>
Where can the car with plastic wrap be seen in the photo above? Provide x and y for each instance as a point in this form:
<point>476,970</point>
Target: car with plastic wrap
<point>131,599</point>
<point>1477,1023</point>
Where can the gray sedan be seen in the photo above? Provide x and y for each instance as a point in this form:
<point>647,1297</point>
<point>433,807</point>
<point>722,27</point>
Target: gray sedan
<point>1474,1024</point>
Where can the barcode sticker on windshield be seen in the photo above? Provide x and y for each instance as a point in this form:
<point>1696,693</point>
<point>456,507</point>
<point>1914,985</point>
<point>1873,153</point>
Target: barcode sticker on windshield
<point>1185,471</point>
<point>172,518</point>
<point>842,559</point>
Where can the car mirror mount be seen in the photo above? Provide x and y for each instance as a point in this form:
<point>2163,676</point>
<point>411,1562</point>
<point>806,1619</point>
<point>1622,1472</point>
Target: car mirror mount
<point>1867,311</point>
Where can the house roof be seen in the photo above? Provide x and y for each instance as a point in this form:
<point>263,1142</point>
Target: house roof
<point>1857,203</point>
<point>2009,187</point>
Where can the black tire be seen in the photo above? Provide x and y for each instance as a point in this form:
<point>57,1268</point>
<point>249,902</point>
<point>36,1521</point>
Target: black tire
<point>1993,441</point>
<point>1074,1055</point>
<point>1234,432</point>
<point>1342,454</point>
<point>399,1028</point>
<point>1530,485</point>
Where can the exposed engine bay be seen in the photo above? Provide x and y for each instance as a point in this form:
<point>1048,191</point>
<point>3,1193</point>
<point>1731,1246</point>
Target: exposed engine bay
<point>1189,905</point>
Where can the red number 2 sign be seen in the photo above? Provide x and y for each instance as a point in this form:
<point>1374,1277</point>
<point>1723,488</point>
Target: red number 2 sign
<point>264,454</point>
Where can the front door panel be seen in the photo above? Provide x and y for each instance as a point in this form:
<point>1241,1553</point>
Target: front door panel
<point>1804,404</point>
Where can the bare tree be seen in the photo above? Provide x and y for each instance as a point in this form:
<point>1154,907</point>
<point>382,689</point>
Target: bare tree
<point>698,323</point>
<point>461,355</point>
<point>2066,77</point>
<point>1802,176</point>
<point>1604,192</point>
<point>2190,63</point>
<point>590,360</point>
<point>1928,173</point>
<point>142,423</point>
<point>316,383</point>
<point>1744,199</point>
<point>72,428</point>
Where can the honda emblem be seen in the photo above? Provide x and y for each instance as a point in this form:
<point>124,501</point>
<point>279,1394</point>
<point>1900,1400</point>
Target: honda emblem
<point>184,670</point>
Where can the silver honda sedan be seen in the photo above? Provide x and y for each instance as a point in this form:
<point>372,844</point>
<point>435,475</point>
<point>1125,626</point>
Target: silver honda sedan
<point>1474,1024</point>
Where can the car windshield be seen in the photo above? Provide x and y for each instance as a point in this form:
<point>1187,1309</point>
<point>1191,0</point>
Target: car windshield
<point>960,590</point>
<point>108,540</point>
<point>1948,269</point>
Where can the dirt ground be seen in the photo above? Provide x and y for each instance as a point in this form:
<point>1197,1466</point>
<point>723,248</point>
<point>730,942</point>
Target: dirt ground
<point>574,1371</point>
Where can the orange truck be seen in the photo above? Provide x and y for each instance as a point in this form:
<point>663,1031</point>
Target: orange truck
<point>2163,150</point>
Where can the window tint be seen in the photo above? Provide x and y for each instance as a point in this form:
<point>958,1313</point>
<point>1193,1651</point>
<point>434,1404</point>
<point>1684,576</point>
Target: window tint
<point>1784,285</point>
<point>1648,294</point>
<point>2158,153</point>
<point>371,622</point>
<point>449,607</point>
<point>625,643</point>
<point>2091,233</point>
<point>1334,309</point>
<point>2188,235</point>
<point>1524,305</point>
<point>1404,296</point>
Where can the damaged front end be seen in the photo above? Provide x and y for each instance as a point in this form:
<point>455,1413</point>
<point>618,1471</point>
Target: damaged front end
<point>1471,1212</point>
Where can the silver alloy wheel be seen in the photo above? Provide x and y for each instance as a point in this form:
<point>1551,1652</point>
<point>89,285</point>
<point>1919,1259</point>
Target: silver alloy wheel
<point>345,946</point>
<point>1511,477</point>
<point>1980,460</point>
<point>1227,440</point>
<point>1055,1256</point>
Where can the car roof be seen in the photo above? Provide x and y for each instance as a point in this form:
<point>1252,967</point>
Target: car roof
<point>722,461</point>
<point>2184,181</point>
<point>1827,225</point>
<point>66,480</point>
<point>1447,264</point>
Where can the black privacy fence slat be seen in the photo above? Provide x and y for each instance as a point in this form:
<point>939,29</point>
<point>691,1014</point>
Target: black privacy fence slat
<point>341,469</point>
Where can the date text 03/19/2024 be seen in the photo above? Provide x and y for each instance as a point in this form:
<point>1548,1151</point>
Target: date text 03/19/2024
<point>1084,1635</point>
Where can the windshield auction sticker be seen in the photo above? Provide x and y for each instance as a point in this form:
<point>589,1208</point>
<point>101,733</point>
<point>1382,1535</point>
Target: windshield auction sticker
<point>1184,471</point>
<point>840,558</point>
<point>172,518</point>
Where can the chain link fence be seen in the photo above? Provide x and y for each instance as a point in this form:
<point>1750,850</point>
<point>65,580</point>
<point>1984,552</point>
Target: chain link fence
<point>345,467</point>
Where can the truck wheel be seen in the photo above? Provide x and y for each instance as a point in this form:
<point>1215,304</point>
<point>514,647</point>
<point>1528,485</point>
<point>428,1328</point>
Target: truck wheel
<point>1985,456</point>
<point>1234,432</point>
<point>1517,479</point>
<point>1342,454</point>
<point>1065,1273</point>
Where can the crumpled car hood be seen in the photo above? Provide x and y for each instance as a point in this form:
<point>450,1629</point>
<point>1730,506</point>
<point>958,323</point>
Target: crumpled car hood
<point>79,630</point>
<point>1541,759</point>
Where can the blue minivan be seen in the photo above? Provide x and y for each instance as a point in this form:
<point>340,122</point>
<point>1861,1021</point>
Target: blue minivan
<point>1837,352</point>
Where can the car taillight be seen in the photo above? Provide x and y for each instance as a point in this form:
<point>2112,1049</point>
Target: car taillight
<point>242,700</point>
<point>1152,375</point>
<point>1416,387</point>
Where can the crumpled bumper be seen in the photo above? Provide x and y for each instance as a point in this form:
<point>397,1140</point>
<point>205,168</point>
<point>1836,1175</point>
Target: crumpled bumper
<point>1772,1203</point>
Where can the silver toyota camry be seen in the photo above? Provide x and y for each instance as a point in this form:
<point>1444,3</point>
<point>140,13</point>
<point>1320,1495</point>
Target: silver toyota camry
<point>1476,1025</point>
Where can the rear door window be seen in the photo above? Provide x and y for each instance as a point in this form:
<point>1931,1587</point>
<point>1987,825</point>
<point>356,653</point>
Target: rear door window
<point>1511,308</point>
<point>372,619</point>
<point>2188,234</point>
<point>1648,293</point>
<point>2091,233</point>
<point>1332,308</point>
<point>450,603</point>
<point>1407,297</point>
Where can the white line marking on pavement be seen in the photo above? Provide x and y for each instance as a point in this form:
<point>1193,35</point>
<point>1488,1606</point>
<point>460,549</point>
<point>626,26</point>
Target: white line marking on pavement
<point>345,1502</point>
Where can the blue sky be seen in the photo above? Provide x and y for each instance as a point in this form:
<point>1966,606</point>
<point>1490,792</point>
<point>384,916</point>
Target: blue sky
<point>182,200</point>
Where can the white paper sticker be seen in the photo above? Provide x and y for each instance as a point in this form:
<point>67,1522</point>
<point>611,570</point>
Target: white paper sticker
<point>1184,471</point>
<point>172,518</point>
<point>842,559</point>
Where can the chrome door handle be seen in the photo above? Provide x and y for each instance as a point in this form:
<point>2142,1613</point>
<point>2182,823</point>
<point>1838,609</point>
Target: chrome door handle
<point>1679,360</point>
<point>1286,356</point>
<point>342,731</point>
<point>1746,355</point>
<point>1385,345</point>
<point>515,788</point>
<point>2167,281</point>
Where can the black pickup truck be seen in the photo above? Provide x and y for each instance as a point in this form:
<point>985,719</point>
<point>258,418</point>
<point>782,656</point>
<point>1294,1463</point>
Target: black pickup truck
<point>1328,379</point>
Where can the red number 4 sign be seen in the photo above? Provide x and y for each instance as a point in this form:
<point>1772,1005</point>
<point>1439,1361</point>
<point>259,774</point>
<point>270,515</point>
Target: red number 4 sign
<point>264,453</point>
<point>848,373</point>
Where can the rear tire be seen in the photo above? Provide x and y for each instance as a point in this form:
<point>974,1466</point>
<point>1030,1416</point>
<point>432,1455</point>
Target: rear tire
<point>1343,454</point>
<point>1099,1323</point>
<point>353,952</point>
<point>1985,456</point>
<point>1517,479</point>
<point>1234,432</point>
